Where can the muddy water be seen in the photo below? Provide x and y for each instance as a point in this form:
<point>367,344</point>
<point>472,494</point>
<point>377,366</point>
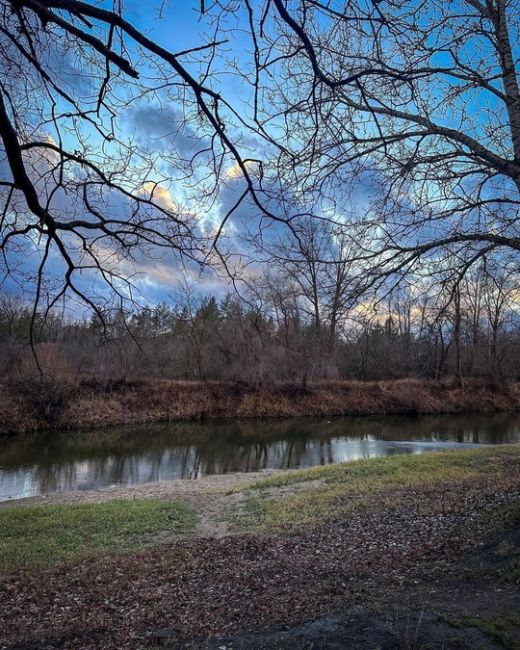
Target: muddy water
<point>62,461</point>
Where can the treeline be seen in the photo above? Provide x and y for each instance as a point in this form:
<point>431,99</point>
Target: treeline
<point>274,333</point>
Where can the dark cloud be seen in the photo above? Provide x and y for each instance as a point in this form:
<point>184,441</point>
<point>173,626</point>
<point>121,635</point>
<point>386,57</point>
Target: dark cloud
<point>68,74</point>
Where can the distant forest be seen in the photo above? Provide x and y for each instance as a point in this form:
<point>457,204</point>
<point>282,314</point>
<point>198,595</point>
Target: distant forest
<point>282,329</point>
<point>350,173</point>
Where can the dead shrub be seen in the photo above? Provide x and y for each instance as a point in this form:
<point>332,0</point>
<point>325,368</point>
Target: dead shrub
<point>112,386</point>
<point>45,387</point>
<point>46,395</point>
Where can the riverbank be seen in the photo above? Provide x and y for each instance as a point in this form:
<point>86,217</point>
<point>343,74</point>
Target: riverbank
<point>90,404</point>
<point>399,552</point>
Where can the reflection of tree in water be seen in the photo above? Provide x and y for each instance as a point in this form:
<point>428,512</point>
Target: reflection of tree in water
<point>51,478</point>
<point>140,454</point>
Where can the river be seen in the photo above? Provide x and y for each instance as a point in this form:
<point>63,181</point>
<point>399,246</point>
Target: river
<point>84,460</point>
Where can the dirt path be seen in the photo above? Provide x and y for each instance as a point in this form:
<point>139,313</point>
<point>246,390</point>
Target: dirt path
<point>183,489</point>
<point>211,497</point>
<point>406,561</point>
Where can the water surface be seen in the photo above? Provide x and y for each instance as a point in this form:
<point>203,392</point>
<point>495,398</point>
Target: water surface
<point>84,460</point>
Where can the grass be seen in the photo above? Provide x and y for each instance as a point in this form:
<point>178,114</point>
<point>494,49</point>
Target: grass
<point>45,535</point>
<point>506,565</point>
<point>338,488</point>
<point>508,551</point>
<point>502,628</point>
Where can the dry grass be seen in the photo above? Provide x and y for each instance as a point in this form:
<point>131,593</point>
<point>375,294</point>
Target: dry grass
<point>155,401</point>
<point>337,489</point>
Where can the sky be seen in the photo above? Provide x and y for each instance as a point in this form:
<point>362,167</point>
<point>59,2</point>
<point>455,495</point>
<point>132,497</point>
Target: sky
<point>155,123</point>
<point>150,123</point>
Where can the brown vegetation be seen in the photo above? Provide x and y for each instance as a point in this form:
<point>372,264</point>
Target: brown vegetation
<point>96,404</point>
<point>397,550</point>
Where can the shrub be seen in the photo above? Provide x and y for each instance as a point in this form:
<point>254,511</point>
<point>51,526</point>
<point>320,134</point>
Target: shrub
<point>47,394</point>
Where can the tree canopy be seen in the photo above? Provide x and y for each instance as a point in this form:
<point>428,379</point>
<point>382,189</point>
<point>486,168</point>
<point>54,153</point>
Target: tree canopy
<point>396,122</point>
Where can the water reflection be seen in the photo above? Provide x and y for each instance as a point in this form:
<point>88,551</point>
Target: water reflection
<point>84,460</point>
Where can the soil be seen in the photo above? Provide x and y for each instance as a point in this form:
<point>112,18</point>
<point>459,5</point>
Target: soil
<point>420,569</point>
<point>359,630</point>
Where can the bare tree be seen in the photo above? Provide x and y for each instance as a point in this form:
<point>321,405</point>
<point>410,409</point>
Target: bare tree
<point>500,290</point>
<point>314,258</point>
<point>421,100</point>
<point>417,102</point>
<point>78,190</point>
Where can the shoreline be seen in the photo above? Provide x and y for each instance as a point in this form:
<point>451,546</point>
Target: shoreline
<point>92,405</point>
<point>183,489</point>
<point>217,485</point>
<point>383,541</point>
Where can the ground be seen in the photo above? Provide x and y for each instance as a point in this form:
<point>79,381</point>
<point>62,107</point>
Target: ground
<point>405,552</point>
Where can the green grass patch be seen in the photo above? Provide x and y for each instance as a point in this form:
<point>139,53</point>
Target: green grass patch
<point>399,467</point>
<point>44,535</point>
<point>340,487</point>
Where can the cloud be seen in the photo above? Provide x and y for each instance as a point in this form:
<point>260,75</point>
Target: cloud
<point>65,70</point>
<point>163,129</point>
<point>235,171</point>
<point>116,250</point>
<point>155,272</point>
<point>160,195</point>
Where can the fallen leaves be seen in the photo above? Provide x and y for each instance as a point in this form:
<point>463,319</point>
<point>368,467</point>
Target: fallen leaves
<point>212,586</point>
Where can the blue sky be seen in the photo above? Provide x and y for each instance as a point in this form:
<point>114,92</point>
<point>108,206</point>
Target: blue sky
<point>150,123</point>
<point>157,274</point>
